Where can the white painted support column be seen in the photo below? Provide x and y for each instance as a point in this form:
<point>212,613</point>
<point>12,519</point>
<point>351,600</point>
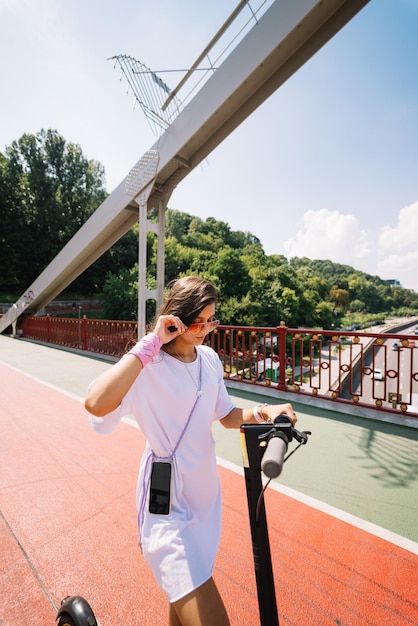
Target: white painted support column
<point>160,231</point>
<point>142,268</point>
<point>144,294</point>
<point>139,185</point>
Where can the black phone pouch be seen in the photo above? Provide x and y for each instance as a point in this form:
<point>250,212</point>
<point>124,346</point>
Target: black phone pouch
<point>160,488</point>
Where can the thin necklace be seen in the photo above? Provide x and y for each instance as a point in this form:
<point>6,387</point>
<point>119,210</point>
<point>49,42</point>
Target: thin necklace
<point>198,387</point>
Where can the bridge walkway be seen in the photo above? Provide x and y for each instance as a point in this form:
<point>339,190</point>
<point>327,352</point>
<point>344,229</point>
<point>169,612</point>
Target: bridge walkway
<point>68,523</point>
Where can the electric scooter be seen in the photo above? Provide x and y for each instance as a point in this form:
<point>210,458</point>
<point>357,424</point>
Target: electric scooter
<point>264,448</point>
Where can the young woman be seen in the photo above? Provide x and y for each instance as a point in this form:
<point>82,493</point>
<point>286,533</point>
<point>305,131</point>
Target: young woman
<point>173,384</point>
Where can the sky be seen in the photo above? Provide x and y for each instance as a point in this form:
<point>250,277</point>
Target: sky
<point>326,168</point>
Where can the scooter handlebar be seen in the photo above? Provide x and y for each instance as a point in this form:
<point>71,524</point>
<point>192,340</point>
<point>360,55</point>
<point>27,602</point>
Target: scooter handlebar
<point>273,457</point>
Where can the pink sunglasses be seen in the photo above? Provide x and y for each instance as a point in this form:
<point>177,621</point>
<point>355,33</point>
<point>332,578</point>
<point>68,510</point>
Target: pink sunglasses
<point>206,327</point>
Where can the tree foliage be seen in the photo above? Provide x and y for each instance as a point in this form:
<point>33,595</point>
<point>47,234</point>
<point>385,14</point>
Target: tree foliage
<point>260,290</point>
<point>47,191</point>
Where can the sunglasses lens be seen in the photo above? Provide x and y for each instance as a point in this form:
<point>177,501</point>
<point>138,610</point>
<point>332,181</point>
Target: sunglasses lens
<point>206,327</point>
<point>194,328</point>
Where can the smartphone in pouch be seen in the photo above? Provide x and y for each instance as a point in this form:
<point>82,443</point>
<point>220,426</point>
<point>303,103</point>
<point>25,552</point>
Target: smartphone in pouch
<point>160,488</point>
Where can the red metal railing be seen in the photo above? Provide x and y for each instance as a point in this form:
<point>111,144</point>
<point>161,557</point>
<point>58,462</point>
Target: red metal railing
<point>106,337</point>
<point>370,369</point>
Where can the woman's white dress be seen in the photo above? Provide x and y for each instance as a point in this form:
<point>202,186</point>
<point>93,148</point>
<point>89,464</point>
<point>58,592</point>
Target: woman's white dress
<point>180,547</point>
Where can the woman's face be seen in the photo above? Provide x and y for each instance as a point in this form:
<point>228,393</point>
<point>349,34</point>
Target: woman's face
<point>200,326</point>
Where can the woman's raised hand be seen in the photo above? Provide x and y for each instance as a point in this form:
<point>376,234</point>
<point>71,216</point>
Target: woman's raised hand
<point>168,327</point>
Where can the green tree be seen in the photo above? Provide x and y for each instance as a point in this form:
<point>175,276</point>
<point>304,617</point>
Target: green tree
<point>357,305</point>
<point>340,298</point>
<point>233,277</point>
<point>289,307</point>
<point>13,248</point>
<point>325,317</point>
<point>177,224</point>
<point>119,296</point>
<point>240,311</point>
<point>50,189</point>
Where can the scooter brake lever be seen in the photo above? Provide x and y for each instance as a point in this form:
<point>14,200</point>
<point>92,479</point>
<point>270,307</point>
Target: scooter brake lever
<point>302,437</point>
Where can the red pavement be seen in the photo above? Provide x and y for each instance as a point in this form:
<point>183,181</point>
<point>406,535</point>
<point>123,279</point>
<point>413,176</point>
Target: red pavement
<point>68,526</point>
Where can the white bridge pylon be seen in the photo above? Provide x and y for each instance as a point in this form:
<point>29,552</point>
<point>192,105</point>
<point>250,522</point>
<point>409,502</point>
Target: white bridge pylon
<point>282,40</point>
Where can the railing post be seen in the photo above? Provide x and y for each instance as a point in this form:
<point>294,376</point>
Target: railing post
<point>84,332</point>
<point>48,328</point>
<point>281,333</point>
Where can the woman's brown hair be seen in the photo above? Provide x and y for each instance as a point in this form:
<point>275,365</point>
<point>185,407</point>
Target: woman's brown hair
<point>187,297</point>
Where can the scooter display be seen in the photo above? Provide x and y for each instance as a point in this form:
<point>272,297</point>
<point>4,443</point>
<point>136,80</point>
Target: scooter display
<point>264,448</point>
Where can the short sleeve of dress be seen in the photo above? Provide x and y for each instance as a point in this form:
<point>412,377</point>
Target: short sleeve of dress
<point>108,423</point>
<point>224,404</point>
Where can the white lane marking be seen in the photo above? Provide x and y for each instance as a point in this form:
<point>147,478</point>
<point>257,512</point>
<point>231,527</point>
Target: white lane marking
<point>373,529</point>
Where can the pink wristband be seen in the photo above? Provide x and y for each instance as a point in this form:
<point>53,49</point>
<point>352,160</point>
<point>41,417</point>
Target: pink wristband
<point>147,348</point>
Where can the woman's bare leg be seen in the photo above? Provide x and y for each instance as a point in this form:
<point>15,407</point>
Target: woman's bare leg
<point>173,620</point>
<point>201,607</point>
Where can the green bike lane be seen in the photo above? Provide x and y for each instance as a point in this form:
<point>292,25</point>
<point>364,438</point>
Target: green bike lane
<point>360,467</point>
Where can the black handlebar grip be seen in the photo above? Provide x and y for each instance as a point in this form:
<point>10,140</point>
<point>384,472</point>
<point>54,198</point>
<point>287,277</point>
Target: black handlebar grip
<point>273,458</point>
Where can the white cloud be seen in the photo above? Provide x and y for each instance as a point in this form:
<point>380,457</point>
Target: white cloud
<point>401,267</point>
<point>401,242</point>
<point>404,236</point>
<point>329,235</point>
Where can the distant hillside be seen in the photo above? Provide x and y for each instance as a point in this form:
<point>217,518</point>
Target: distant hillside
<point>254,288</point>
